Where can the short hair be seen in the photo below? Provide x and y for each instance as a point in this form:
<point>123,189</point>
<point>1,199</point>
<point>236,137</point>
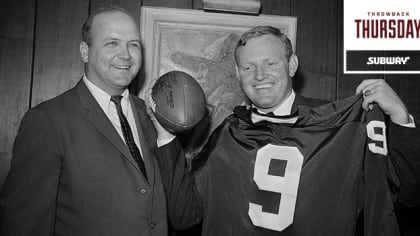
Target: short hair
<point>87,25</point>
<point>260,31</point>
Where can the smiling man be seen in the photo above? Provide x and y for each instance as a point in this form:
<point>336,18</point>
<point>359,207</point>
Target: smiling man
<point>266,65</point>
<point>84,162</point>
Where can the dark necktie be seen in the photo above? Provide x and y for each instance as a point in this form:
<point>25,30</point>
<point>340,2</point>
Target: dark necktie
<point>128,135</point>
<point>271,117</point>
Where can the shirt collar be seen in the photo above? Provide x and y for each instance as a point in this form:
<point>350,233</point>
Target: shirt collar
<point>103,98</point>
<point>285,108</point>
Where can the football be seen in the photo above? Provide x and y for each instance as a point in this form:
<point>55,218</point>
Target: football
<point>178,101</point>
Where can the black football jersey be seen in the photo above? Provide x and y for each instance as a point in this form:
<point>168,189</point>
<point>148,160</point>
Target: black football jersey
<point>315,172</point>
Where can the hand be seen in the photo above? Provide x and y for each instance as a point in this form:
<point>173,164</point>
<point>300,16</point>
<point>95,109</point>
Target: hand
<point>379,92</point>
<point>162,132</point>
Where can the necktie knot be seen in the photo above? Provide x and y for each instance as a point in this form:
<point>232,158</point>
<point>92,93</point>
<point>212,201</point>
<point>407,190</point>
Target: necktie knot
<point>269,114</point>
<point>271,117</point>
<point>116,99</point>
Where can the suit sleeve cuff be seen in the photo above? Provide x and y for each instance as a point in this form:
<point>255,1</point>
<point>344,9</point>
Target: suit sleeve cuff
<point>163,142</point>
<point>410,124</point>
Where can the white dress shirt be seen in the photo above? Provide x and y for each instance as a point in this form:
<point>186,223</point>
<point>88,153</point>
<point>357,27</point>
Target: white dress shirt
<point>110,110</point>
<point>285,108</point>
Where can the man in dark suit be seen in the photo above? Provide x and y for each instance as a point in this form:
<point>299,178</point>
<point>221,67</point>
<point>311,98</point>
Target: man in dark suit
<point>304,169</point>
<point>84,163</point>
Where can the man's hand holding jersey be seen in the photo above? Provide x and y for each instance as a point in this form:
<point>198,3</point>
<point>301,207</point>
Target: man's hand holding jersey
<point>379,92</point>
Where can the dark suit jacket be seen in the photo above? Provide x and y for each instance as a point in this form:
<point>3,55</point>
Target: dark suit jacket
<point>71,173</point>
<point>310,102</point>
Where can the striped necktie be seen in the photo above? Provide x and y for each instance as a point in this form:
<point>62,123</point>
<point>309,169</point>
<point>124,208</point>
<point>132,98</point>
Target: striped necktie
<point>128,135</point>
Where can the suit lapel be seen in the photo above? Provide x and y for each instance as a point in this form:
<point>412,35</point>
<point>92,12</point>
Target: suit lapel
<point>98,119</point>
<point>146,141</point>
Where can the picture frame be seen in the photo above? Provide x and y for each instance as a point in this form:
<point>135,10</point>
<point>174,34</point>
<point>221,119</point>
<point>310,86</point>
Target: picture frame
<point>202,44</point>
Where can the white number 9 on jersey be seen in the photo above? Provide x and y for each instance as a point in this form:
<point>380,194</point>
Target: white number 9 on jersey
<point>287,186</point>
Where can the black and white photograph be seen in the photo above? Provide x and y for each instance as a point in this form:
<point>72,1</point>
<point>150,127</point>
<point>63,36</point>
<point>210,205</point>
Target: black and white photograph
<point>210,117</point>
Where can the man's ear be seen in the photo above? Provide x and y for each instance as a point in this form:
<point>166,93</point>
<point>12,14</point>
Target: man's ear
<point>293,65</point>
<point>84,51</point>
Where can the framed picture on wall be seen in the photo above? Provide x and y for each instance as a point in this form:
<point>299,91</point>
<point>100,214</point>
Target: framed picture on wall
<point>202,44</point>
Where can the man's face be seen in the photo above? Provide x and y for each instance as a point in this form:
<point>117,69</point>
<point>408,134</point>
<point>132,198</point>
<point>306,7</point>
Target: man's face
<point>114,55</point>
<point>264,71</point>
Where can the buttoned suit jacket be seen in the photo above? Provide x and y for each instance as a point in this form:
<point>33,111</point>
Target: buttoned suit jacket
<point>72,174</point>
